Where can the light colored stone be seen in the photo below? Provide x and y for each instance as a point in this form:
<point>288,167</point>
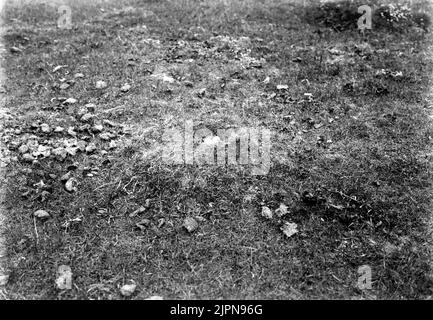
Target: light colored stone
<point>41,214</point>
<point>128,290</point>
<point>64,277</point>
<point>101,84</point>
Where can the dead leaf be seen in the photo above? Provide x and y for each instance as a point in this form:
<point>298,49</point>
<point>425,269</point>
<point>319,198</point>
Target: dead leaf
<point>266,213</point>
<point>125,88</point>
<point>70,101</point>
<point>41,214</point>
<point>128,290</point>
<point>282,210</point>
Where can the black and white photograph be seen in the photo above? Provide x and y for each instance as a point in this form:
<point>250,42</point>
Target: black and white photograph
<point>240,151</point>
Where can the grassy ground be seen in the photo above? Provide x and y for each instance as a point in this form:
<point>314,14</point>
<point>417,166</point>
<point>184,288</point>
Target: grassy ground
<point>351,161</point>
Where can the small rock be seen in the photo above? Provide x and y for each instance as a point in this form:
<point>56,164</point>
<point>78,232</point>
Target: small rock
<point>101,84</point>
<point>97,128</point>
<point>23,149</point>
<point>41,214</point>
<point>190,224</point>
<point>282,210</point>
<point>282,87</point>
<point>15,50</point>
<point>71,150</point>
<point>66,176</point>
<point>71,185</point>
<point>64,277</point>
<point>112,145</point>
<point>125,87</point>
<point>78,75</point>
<point>201,92</point>
<point>45,128</point>
<point>59,129</point>
<point>81,145</point>
<point>138,211</point>
<point>128,290</point>
<point>267,213</point>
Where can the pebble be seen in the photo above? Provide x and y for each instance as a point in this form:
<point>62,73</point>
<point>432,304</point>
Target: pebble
<point>125,88</point>
<point>23,149</point>
<point>71,185</point>
<point>190,224</point>
<point>41,214</point>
